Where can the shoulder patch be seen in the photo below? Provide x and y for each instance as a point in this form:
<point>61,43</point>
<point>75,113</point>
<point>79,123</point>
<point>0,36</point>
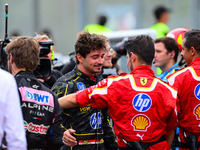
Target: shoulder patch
<point>143,81</point>
<point>197,91</point>
<point>81,86</point>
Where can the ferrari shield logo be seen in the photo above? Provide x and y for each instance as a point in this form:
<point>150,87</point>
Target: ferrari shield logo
<point>143,81</point>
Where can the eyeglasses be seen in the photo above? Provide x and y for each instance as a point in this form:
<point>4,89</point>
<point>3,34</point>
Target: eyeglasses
<point>111,50</point>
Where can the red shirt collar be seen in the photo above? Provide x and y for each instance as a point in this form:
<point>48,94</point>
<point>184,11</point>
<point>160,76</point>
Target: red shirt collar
<point>195,61</point>
<point>91,77</point>
<point>143,69</point>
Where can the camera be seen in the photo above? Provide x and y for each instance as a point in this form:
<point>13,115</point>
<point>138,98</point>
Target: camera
<point>3,54</point>
<point>45,47</point>
<point>43,70</point>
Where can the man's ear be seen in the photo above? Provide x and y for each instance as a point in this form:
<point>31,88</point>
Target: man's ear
<point>133,56</point>
<point>10,58</point>
<point>172,54</point>
<point>80,58</point>
<point>192,51</point>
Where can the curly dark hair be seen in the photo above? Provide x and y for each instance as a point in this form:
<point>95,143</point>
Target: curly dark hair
<point>87,42</point>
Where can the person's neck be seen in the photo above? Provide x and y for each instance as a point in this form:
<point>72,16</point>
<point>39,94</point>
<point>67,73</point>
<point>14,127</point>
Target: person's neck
<point>139,64</point>
<point>15,70</point>
<point>84,70</point>
<point>162,21</point>
<point>194,57</point>
<point>166,67</point>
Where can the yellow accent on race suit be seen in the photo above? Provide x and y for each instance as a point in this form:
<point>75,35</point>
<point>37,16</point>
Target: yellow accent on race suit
<point>76,79</point>
<point>66,90</point>
<point>142,89</point>
<point>58,92</point>
<point>191,69</point>
<point>103,90</point>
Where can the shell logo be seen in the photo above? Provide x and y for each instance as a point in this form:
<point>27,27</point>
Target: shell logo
<point>140,122</point>
<point>197,112</point>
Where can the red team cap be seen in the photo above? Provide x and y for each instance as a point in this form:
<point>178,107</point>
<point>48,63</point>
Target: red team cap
<point>178,35</point>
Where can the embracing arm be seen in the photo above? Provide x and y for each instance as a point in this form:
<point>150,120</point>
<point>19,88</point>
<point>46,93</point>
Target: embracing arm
<point>68,101</point>
<point>170,138</point>
<point>94,95</point>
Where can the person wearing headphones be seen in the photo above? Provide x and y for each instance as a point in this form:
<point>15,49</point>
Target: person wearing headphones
<point>166,54</point>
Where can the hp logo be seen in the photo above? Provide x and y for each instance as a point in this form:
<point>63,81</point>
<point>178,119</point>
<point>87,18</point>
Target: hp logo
<point>197,91</point>
<point>142,102</point>
<point>96,120</point>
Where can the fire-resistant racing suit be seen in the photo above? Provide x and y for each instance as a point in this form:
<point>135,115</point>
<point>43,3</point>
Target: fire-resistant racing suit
<point>92,127</point>
<point>39,106</point>
<point>187,84</point>
<point>141,106</point>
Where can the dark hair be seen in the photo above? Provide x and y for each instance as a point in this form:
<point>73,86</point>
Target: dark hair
<point>170,44</point>
<point>143,47</point>
<point>192,39</point>
<point>102,20</point>
<point>87,42</point>
<point>159,11</point>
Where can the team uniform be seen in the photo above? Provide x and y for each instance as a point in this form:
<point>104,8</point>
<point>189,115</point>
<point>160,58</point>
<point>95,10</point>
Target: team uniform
<point>172,69</point>
<point>163,77</point>
<point>187,84</point>
<point>39,107</point>
<point>92,127</point>
<point>141,106</point>
<point>55,75</point>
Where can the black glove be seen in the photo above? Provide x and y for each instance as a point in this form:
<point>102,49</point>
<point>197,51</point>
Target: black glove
<point>120,47</point>
<point>192,142</point>
<point>134,145</point>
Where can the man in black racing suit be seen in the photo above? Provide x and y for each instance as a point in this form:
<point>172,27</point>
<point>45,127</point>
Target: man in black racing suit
<point>39,105</point>
<point>91,125</point>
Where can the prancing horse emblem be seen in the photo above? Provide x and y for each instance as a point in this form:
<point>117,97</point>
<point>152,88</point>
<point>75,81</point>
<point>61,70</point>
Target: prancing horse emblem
<point>143,81</point>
